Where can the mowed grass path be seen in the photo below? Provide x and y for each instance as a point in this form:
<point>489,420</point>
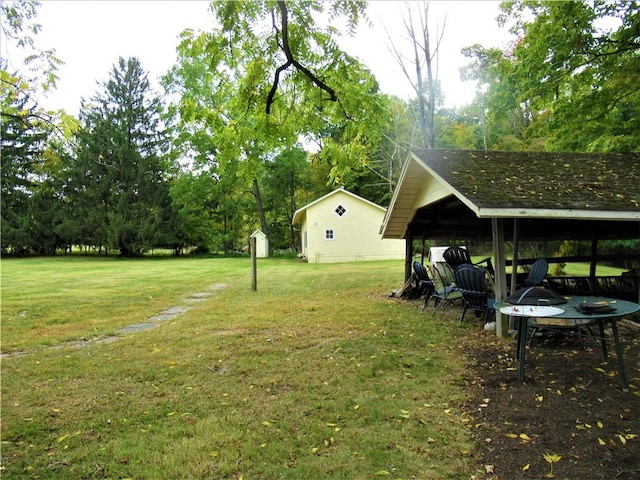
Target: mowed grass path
<point>318,374</point>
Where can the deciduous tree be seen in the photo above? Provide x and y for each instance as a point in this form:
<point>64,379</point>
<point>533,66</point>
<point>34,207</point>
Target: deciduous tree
<point>570,80</point>
<point>270,76</point>
<point>420,66</point>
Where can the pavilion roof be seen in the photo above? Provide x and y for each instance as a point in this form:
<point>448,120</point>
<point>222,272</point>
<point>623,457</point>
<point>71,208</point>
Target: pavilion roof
<point>531,185</point>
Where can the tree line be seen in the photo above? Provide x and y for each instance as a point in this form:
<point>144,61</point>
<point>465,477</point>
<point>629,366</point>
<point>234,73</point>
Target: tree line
<point>266,113</point>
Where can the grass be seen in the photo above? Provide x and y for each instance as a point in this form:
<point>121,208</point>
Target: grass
<point>318,374</point>
<point>47,301</point>
<point>581,269</point>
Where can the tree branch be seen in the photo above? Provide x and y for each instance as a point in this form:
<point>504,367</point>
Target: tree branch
<point>286,48</point>
<point>274,87</point>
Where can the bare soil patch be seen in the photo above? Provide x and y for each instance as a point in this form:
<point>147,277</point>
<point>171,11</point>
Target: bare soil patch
<point>570,419</point>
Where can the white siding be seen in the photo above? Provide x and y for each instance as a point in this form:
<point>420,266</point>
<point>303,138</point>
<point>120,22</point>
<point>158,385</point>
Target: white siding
<point>356,233</point>
<point>304,233</point>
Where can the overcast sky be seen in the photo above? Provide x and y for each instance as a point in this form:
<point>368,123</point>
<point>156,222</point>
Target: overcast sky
<point>89,36</point>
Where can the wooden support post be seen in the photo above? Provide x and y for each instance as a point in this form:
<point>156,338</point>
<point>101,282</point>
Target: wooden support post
<point>497,227</point>
<point>594,257</point>
<point>514,265</point>
<point>408,255</point>
<point>514,262</point>
<point>254,265</point>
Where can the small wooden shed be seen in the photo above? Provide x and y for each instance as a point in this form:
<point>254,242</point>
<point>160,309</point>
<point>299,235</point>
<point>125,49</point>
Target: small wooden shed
<point>262,244</point>
<point>343,227</point>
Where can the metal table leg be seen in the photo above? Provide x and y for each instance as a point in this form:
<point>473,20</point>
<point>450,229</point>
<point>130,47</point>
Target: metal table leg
<point>522,341</point>
<point>603,339</point>
<point>621,370</point>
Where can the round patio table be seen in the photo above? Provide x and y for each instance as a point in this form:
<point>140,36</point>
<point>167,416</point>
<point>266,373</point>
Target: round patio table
<point>568,311</point>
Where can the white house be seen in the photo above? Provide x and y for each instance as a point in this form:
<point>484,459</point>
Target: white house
<point>262,244</point>
<point>343,227</point>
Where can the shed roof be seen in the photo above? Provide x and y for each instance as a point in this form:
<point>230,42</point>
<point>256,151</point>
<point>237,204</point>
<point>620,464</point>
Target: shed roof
<point>258,233</point>
<point>448,193</point>
<point>299,214</point>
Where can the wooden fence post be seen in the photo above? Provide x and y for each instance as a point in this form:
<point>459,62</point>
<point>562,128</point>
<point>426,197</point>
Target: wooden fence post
<point>254,269</point>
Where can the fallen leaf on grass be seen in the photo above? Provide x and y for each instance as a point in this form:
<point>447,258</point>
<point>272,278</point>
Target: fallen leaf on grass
<point>525,468</point>
<point>62,438</point>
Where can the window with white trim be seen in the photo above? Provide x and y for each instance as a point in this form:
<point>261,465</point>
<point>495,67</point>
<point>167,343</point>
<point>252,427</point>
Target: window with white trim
<point>329,234</point>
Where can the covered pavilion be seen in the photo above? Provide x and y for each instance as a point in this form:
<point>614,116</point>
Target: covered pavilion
<point>458,195</point>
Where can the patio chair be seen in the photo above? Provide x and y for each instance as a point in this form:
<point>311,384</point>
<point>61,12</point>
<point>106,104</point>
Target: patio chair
<point>425,284</point>
<point>444,292</point>
<point>537,273</point>
<point>446,272</point>
<point>456,256</point>
<point>471,282</point>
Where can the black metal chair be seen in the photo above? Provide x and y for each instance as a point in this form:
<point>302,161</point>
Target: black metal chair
<point>425,284</point>
<point>456,256</point>
<point>538,271</point>
<point>471,282</point>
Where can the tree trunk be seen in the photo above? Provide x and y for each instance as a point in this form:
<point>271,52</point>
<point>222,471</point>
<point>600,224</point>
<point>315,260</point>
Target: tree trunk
<point>424,87</point>
<point>292,196</point>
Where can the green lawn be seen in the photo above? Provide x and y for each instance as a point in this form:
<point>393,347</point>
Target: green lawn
<point>318,374</point>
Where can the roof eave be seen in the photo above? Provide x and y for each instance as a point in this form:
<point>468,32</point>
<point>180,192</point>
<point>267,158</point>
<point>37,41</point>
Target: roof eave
<point>388,230</point>
<point>566,214</point>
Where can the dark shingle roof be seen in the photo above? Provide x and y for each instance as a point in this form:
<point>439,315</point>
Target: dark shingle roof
<point>535,180</point>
